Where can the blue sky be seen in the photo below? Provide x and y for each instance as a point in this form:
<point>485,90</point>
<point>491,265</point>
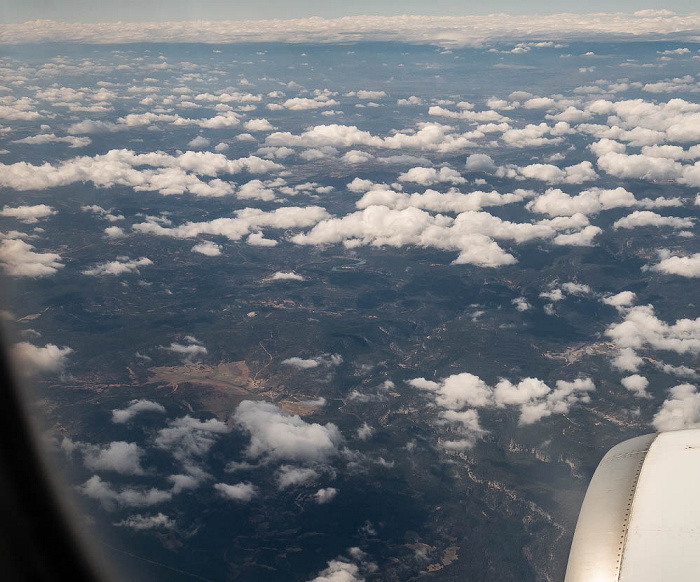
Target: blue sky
<point>159,10</point>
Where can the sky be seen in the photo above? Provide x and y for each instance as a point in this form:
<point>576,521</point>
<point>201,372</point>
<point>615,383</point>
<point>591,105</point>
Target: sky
<point>12,11</point>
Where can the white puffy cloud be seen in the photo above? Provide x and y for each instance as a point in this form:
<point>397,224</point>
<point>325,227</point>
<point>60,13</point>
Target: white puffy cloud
<point>470,233</point>
<point>457,391</point>
<point>102,213</point>
<point>111,498</point>
<point>367,94</point>
<point>19,259</point>
<point>305,364</point>
<point>28,214</point>
<point>290,476</point>
<point>124,415</point>
<point>276,435</point>
<point>640,328</point>
<point>306,103</point>
<point>258,125</point>
<point>641,218</point>
<point>154,171</point>
<point>521,304</point>
<point>412,100</point>
<point>637,385</point>
<point>430,136</point>
<point>554,202</point>
<point>534,398</point>
<point>242,492</point>
<point>245,221</point>
<point>286,276</point>
<point>325,495</point>
<point>480,163</point>
<point>680,410</point>
<point>627,360</point>
<point>140,522</point>
<point>121,266</point>
<point>428,176</point>
<point>621,299</point>
<point>338,571</point>
<point>451,201</point>
<point>30,359</point>
<point>301,363</point>
<point>577,174</point>
<point>576,288</point>
<point>199,142</point>
<point>674,265</point>
<point>364,432</point>
<point>114,232</point>
<point>188,438</point>
<point>553,295</point>
<point>208,248</point>
<point>119,456</point>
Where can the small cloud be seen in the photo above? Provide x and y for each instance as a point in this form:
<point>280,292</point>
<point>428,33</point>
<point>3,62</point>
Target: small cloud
<point>242,492</point>
<point>199,142</point>
<point>207,248</point>
<point>286,276</point>
<point>325,495</point>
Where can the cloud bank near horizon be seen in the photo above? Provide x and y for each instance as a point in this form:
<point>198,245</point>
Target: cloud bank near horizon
<point>446,31</point>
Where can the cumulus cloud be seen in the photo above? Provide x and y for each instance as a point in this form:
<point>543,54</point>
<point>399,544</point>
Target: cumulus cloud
<point>290,476</point>
<point>680,410</point>
<point>246,221</point>
<point>124,415</point>
<point>300,363</point>
<point>554,202</point>
<point>534,399</point>
<point>140,522</point>
<point>364,432</point>
<point>188,439</point>
<point>551,174</point>
<point>286,276</point>
<point>325,495</point>
<point>102,213</point>
<point>621,299</point>
<point>199,142</point>
<point>123,265</point>
<point>339,571</point>
<point>640,328</point>
<point>480,163</point>
<point>428,176</point>
<point>306,364</point>
<point>119,456</point>
<point>19,259</point>
<point>576,288</point>
<point>429,136</point>
<point>637,385</point>
<point>521,304</point>
<point>242,492</point>
<point>674,265</point>
<point>154,171</point>
<point>28,214</point>
<point>30,359</point>
<point>640,218</point>
<point>276,435</point>
<point>470,233</point>
<point>207,248</point>
<point>111,498</point>
<point>258,125</point>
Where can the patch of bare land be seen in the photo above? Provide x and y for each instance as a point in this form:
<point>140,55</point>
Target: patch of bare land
<point>575,353</point>
<point>234,376</point>
<point>220,388</point>
<point>217,389</point>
